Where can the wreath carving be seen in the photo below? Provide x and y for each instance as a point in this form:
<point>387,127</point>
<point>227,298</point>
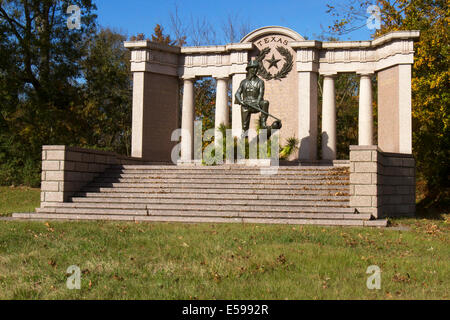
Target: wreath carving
<point>287,67</point>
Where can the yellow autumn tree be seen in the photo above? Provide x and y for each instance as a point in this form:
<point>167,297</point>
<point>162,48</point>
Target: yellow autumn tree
<point>430,78</point>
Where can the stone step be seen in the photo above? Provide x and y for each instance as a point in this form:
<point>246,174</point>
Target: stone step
<point>142,192</point>
<point>322,222</point>
<point>207,182</point>
<point>228,196</point>
<point>139,208</point>
<point>224,176</point>
<point>228,167</point>
<point>220,202</point>
<point>215,198</point>
<point>217,186</point>
<point>96,210</point>
<point>268,215</point>
<point>222,180</point>
<point>228,174</point>
<point>205,213</point>
<point>285,169</point>
<point>196,206</point>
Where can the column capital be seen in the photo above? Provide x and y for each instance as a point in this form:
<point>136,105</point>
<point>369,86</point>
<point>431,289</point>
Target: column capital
<point>188,78</point>
<point>365,73</point>
<point>310,70</point>
<point>226,78</point>
<point>329,74</point>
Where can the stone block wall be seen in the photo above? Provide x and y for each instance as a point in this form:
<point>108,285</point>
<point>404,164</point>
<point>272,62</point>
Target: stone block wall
<point>398,185</point>
<point>65,170</point>
<point>382,183</point>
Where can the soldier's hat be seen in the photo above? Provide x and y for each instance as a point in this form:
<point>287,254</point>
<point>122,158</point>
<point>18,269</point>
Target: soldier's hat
<point>252,64</point>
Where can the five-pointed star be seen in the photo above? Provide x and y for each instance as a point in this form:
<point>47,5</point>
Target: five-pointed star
<point>273,62</point>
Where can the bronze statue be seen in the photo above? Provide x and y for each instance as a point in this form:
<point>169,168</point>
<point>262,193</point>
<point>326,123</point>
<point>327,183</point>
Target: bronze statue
<point>250,96</point>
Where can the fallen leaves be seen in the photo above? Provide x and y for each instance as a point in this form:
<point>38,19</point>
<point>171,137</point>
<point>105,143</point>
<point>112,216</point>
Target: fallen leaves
<point>52,263</point>
<point>49,228</point>
<point>325,283</point>
<point>118,278</point>
<point>398,277</point>
<point>432,229</point>
<point>216,277</point>
<point>281,259</point>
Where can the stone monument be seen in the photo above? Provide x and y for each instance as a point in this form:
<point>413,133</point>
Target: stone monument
<point>276,65</point>
<point>381,176</point>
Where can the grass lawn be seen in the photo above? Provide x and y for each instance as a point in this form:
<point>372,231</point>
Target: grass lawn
<point>18,199</point>
<point>222,261</point>
<point>218,261</point>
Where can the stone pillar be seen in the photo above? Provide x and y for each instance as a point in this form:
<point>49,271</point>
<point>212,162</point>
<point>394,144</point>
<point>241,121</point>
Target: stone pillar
<point>137,126</point>
<point>365,117</point>
<point>307,115</point>
<point>236,108</point>
<point>222,114</point>
<point>156,104</point>
<point>328,118</point>
<point>187,120</point>
<point>394,109</point>
<point>365,177</point>
<point>155,115</point>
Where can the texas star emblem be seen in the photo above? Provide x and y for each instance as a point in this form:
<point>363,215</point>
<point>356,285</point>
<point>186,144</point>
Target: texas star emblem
<point>285,69</point>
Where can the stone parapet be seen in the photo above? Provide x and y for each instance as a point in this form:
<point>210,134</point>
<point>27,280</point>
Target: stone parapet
<point>382,183</point>
<point>65,170</point>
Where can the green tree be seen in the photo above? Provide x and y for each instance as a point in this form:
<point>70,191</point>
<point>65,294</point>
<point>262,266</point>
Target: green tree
<point>107,90</point>
<point>40,70</point>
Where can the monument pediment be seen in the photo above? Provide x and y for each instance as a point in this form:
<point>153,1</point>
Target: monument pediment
<point>272,31</point>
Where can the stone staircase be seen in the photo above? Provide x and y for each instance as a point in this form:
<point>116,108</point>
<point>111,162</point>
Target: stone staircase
<point>294,195</point>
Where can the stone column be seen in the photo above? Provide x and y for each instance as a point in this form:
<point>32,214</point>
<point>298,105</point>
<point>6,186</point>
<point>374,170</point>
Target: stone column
<point>222,114</point>
<point>328,118</point>
<point>236,124</point>
<point>365,117</point>
<point>187,120</point>
<point>137,125</point>
<point>307,115</point>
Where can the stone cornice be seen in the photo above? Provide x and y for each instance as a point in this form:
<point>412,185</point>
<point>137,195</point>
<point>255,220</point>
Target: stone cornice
<point>307,44</point>
<point>217,49</point>
<point>389,37</point>
<point>146,44</point>
<point>314,56</point>
<point>403,35</point>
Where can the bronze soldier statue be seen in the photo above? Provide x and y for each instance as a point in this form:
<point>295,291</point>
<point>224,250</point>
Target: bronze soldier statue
<point>250,96</point>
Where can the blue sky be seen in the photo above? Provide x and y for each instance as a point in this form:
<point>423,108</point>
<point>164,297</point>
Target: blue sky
<point>304,16</point>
